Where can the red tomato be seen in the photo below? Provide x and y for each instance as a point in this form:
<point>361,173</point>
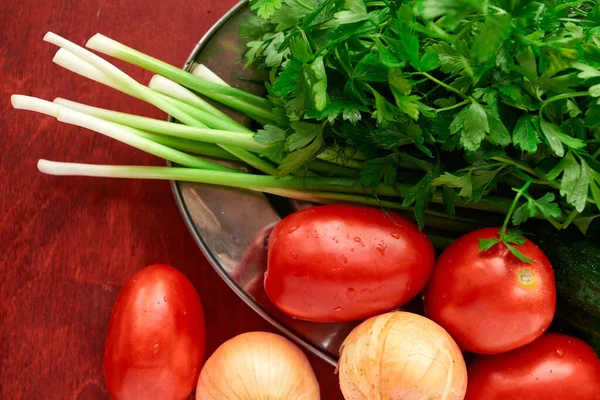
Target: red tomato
<point>554,367</point>
<point>490,301</point>
<point>156,337</point>
<point>342,263</point>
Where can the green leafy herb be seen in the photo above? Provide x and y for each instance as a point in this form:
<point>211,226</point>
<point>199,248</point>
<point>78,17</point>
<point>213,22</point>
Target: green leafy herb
<point>479,95</point>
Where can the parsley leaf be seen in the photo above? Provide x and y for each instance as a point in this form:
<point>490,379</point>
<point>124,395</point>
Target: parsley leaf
<point>378,169</point>
<point>463,182</point>
<point>475,126</point>
<point>269,134</point>
<point>545,206</point>
<point>556,138</point>
<point>354,11</point>
<point>300,156</point>
<point>525,135</point>
<point>420,194</point>
<point>265,8</point>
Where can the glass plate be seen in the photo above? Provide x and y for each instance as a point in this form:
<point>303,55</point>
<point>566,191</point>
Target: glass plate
<point>232,226</point>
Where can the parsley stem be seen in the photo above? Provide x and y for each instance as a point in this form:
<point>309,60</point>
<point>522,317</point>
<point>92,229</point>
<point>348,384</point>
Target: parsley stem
<point>534,181</point>
<point>561,97</point>
<point>500,11</point>
<point>511,210</point>
<point>448,87</point>
<point>597,153</point>
<point>572,216</point>
<point>521,166</point>
<point>439,110</point>
<point>304,5</point>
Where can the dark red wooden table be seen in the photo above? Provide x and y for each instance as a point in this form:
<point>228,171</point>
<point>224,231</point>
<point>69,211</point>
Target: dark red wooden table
<point>69,244</point>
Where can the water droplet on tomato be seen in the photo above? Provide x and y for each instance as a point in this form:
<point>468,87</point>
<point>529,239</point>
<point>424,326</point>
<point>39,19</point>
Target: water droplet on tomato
<point>352,249</point>
<point>155,349</point>
<point>294,255</point>
<point>345,259</point>
<point>381,248</point>
<point>395,236</point>
<point>165,299</point>
<point>337,309</point>
<point>537,378</point>
<point>550,371</point>
<point>560,352</point>
<point>185,313</point>
<point>357,239</point>
<point>293,228</point>
<point>351,292</point>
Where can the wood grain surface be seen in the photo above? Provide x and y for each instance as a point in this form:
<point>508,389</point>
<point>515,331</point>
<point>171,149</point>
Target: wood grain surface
<point>69,244</point>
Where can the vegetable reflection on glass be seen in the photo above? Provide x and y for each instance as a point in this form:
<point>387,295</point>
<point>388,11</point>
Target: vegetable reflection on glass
<point>257,365</point>
<point>400,355</point>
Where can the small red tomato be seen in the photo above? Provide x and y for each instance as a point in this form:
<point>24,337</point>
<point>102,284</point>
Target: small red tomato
<point>490,301</point>
<point>554,367</point>
<point>156,337</point>
<point>342,263</point>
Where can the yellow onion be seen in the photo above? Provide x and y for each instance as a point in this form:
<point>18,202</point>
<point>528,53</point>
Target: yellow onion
<point>401,356</point>
<point>257,366</point>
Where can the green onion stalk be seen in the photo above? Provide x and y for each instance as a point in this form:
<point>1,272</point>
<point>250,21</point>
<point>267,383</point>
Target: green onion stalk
<point>204,131</point>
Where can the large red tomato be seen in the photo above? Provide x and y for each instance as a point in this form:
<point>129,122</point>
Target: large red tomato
<point>554,367</point>
<point>156,337</point>
<point>490,301</point>
<point>342,263</point>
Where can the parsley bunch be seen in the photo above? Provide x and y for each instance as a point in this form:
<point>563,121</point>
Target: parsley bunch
<point>461,101</point>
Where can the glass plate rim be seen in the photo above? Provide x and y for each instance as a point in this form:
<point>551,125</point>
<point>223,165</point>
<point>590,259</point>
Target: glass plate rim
<point>198,236</point>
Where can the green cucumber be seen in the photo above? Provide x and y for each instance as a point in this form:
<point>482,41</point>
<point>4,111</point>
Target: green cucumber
<point>576,262</point>
<point>574,321</point>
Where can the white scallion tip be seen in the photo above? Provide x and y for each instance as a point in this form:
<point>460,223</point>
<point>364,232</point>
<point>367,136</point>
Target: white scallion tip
<point>52,37</point>
<point>103,44</point>
<point>73,105</point>
<point>172,89</point>
<point>206,73</point>
<point>46,167</point>
<point>107,68</point>
<point>60,168</point>
<point>70,169</point>
<point>20,102</point>
<point>71,62</point>
<point>83,120</point>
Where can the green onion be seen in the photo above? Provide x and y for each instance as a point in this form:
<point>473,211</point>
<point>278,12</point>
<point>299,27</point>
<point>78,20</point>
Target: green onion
<point>234,98</point>
<point>219,178</point>
<point>217,119</point>
<point>226,138</point>
<point>113,131</point>
<point>126,83</point>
